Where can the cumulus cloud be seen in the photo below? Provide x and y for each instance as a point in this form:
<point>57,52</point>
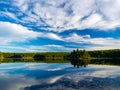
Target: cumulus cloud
<point>13,33</point>
<point>87,39</point>
<point>10,32</point>
<point>93,43</point>
<point>69,14</point>
<point>52,36</point>
<point>58,16</point>
<point>96,43</point>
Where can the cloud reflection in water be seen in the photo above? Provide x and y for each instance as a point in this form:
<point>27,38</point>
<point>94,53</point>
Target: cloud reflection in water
<point>42,76</point>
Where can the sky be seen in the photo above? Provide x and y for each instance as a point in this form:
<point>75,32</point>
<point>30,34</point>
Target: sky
<point>59,25</point>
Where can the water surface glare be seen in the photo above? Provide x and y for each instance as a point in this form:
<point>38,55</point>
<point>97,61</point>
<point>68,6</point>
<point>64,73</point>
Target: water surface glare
<point>56,76</point>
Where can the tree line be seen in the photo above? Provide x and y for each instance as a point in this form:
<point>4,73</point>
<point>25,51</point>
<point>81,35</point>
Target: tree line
<point>54,56</point>
<point>106,54</point>
<point>39,56</point>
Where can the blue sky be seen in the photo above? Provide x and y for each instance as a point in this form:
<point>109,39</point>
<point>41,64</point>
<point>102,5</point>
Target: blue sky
<point>59,25</point>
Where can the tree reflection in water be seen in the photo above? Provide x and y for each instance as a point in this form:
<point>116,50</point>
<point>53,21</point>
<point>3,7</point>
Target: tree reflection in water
<point>75,62</point>
<point>106,61</point>
<point>84,62</point>
<point>80,62</point>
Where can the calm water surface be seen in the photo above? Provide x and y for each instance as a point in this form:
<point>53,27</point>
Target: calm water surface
<point>43,76</point>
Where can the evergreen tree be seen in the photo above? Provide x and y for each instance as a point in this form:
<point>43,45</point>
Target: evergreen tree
<point>79,58</point>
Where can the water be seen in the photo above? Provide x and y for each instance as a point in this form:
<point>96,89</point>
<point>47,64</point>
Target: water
<point>58,76</point>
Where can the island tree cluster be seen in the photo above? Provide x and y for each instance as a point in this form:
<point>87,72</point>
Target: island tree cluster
<point>79,58</point>
<point>79,54</point>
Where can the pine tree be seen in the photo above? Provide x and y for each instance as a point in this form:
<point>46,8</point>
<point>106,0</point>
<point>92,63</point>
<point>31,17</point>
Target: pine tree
<point>79,58</point>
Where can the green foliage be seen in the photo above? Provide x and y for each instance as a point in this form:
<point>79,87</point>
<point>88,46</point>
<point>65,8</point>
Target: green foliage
<point>1,57</point>
<point>115,53</point>
<point>48,56</point>
<point>79,54</point>
<point>61,56</point>
<point>79,58</point>
<point>39,57</point>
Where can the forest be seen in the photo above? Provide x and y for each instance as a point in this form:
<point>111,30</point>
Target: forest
<point>60,56</point>
<point>34,57</point>
<point>105,54</point>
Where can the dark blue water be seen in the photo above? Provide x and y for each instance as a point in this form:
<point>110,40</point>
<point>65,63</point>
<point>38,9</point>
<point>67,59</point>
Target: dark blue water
<point>43,76</point>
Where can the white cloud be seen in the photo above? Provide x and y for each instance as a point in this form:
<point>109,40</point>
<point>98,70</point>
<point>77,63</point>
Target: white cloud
<point>9,15</point>
<point>93,43</point>
<point>105,47</point>
<point>34,48</point>
<point>48,48</point>
<point>11,48</point>
<point>10,32</point>
<point>52,36</point>
<point>60,15</point>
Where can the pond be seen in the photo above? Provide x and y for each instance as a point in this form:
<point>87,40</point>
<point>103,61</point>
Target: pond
<point>58,76</point>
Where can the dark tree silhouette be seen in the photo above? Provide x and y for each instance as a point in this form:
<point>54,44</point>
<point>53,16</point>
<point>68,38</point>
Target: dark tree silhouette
<point>79,58</point>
